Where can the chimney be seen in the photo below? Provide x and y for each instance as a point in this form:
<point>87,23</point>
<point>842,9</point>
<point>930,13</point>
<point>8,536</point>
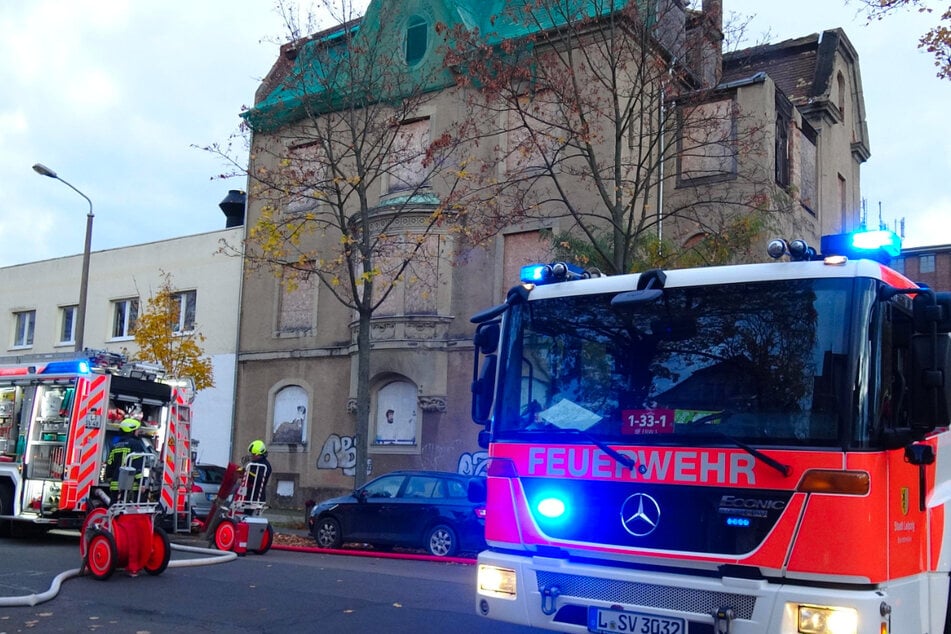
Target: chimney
<point>711,62</point>
<point>233,208</point>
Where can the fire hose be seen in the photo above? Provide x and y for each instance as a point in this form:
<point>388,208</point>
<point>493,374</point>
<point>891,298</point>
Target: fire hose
<point>216,557</point>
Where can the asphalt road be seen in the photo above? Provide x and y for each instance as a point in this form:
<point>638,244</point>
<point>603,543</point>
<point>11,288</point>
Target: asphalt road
<point>280,592</point>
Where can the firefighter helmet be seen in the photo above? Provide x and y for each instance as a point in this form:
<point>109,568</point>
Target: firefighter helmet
<point>257,448</point>
<point>129,425</point>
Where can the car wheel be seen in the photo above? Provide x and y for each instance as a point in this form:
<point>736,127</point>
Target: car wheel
<point>441,541</point>
<point>327,533</point>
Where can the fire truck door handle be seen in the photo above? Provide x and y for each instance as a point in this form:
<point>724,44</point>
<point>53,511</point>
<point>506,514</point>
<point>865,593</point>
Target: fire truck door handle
<point>922,455</point>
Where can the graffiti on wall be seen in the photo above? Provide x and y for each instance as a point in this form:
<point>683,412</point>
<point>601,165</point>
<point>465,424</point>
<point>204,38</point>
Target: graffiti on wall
<point>473,464</point>
<point>338,452</point>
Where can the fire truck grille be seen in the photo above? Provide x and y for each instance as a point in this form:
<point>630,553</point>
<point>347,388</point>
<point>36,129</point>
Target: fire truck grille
<point>646,594</point>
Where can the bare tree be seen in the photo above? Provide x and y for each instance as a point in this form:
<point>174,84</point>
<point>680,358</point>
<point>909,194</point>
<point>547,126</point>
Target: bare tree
<point>343,171</point>
<point>937,40</point>
<point>600,108</point>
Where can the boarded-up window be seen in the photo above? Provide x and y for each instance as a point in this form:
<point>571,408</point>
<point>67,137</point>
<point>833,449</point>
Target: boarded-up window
<point>298,299</point>
<point>808,161</point>
<point>707,141</point>
<point>520,249</point>
<point>396,414</point>
<point>408,154</point>
<point>290,416</point>
<point>305,176</point>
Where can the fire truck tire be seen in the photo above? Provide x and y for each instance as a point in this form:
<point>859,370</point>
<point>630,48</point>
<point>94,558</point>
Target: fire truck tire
<point>93,520</point>
<point>266,541</point>
<point>441,541</point>
<point>101,555</point>
<point>160,553</point>
<point>226,535</point>
<point>327,533</point>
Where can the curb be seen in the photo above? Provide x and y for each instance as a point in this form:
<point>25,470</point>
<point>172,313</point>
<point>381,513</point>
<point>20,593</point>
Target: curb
<point>366,553</point>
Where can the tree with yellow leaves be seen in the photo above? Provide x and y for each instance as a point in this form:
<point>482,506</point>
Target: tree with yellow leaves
<point>162,339</point>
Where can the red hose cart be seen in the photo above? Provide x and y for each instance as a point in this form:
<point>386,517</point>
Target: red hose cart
<point>123,534</point>
<point>235,522</point>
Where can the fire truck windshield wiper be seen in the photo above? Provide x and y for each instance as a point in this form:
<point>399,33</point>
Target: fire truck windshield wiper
<point>549,429</point>
<point>753,451</point>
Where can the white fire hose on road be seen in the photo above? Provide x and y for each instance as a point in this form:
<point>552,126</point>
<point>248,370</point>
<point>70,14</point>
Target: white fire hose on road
<point>215,557</point>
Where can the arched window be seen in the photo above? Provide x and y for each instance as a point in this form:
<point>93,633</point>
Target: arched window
<point>417,36</point>
<point>290,416</point>
<point>396,414</point>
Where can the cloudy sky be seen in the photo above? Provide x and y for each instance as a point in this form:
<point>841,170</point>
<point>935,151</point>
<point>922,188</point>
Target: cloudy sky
<point>114,95</point>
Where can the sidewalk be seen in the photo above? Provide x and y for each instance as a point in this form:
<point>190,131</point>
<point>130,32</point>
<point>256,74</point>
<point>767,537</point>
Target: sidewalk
<point>288,521</point>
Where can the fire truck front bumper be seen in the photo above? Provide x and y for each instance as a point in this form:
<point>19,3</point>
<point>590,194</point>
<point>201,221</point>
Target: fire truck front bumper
<point>568,596</point>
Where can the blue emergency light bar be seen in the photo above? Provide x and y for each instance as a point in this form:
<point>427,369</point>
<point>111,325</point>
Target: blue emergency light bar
<point>550,273</point>
<point>879,245</point>
<point>73,366</point>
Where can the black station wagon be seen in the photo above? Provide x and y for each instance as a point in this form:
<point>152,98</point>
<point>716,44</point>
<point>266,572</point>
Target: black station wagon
<point>415,509</point>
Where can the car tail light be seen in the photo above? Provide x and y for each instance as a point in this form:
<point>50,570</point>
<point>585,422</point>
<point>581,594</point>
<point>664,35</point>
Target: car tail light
<point>196,489</point>
<point>479,512</point>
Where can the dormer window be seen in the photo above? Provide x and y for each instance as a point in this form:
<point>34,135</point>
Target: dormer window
<point>417,33</point>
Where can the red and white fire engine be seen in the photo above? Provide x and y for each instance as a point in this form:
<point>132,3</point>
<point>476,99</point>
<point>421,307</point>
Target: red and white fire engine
<point>748,449</point>
<point>58,420</point>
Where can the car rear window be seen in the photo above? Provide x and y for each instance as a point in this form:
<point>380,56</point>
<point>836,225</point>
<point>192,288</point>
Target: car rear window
<point>210,476</point>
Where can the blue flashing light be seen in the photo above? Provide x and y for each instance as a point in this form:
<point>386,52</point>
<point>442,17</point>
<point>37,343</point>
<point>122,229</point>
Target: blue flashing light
<point>550,273</point>
<point>73,366</point>
<point>533,273</point>
<point>880,245</point>
<point>550,507</point>
<point>741,522</point>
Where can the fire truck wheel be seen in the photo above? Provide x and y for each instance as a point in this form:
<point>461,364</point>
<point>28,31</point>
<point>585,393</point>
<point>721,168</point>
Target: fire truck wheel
<point>94,520</point>
<point>226,535</point>
<point>327,533</point>
<point>441,541</point>
<point>160,552</point>
<point>101,554</point>
<point>266,541</point>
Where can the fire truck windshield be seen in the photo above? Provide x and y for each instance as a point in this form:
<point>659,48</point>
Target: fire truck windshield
<point>760,363</point>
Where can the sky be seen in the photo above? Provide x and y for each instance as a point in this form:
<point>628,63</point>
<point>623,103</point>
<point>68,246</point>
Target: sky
<point>119,96</point>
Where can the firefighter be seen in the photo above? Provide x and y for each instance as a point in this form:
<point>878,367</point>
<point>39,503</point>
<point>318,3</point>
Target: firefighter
<point>257,476</point>
<point>129,442</point>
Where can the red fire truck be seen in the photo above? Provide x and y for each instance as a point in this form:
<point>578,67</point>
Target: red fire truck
<point>748,449</point>
<point>58,419</point>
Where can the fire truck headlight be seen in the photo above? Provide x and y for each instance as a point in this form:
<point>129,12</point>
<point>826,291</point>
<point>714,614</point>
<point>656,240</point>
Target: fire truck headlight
<point>497,582</point>
<point>814,619</point>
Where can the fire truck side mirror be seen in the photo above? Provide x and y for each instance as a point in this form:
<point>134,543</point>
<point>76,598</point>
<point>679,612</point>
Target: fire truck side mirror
<point>482,388</point>
<point>486,338</point>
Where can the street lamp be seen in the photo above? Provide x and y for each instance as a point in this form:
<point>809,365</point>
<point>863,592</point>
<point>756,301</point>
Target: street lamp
<point>41,169</point>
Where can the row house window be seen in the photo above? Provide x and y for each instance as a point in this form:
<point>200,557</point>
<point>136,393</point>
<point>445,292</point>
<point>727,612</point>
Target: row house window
<point>187,301</point>
<point>125,313</point>
<point>25,327</point>
<point>67,331</point>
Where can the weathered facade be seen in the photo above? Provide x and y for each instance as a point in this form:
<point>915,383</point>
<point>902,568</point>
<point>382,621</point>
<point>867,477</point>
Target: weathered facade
<point>298,344</point>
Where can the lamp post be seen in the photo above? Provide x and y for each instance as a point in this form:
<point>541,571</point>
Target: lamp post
<point>41,169</point>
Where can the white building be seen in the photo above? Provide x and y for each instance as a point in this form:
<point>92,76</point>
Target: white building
<point>38,309</point>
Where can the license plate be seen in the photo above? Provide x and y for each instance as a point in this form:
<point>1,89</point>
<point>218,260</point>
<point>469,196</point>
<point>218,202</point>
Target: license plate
<point>608,621</point>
